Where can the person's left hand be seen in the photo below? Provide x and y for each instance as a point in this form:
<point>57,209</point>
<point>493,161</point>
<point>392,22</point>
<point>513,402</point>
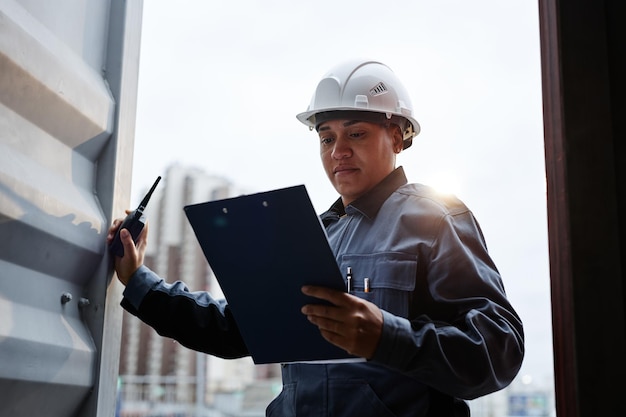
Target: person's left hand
<point>351,323</point>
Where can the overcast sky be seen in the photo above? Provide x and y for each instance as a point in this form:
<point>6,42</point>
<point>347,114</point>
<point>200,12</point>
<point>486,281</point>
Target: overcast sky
<point>221,82</point>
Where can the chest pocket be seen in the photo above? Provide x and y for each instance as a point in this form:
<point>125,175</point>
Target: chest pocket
<point>391,279</point>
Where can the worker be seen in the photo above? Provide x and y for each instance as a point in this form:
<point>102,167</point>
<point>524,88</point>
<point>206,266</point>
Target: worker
<point>427,308</point>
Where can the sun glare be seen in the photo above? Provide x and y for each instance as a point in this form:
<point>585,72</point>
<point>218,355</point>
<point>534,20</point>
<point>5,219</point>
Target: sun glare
<point>444,183</point>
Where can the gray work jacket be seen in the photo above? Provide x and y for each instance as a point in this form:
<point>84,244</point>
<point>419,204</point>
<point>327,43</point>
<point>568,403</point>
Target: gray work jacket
<point>449,332</point>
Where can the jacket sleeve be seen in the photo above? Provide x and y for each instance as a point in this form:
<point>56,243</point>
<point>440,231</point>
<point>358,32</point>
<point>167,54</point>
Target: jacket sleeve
<point>464,337</point>
<point>194,319</point>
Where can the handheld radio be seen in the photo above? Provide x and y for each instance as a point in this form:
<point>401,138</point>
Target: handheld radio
<point>134,223</point>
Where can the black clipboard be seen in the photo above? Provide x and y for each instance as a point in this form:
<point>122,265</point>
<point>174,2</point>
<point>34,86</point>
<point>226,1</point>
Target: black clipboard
<point>262,249</point>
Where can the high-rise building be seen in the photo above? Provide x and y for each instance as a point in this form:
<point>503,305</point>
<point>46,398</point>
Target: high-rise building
<point>157,372</point>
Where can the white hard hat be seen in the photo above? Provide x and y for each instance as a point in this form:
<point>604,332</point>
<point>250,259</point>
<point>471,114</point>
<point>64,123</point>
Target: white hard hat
<point>367,90</point>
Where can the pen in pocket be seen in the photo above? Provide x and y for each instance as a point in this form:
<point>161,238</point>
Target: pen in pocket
<point>349,279</point>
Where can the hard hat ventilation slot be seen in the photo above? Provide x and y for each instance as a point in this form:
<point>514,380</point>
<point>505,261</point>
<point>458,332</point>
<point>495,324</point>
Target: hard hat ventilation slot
<point>379,89</point>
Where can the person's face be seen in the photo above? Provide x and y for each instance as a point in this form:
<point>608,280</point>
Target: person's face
<point>357,155</point>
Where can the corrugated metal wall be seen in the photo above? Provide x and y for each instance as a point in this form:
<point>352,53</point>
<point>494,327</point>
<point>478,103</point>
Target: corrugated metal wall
<point>68,81</point>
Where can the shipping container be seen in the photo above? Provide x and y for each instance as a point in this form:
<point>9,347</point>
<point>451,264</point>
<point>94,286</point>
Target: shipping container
<point>68,91</point>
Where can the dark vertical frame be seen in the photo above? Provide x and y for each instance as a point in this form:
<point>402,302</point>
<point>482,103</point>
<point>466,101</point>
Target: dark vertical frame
<point>558,226</point>
<point>582,51</point>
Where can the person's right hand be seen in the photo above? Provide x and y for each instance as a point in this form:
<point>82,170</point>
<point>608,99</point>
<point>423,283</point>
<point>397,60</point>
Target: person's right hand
<point>134,253</point>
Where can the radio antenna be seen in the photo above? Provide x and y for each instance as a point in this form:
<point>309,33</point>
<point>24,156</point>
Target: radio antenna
<point>145,200</point>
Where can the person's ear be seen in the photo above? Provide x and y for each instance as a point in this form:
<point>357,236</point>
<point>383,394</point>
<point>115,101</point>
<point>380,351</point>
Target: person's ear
<point>398,139</point>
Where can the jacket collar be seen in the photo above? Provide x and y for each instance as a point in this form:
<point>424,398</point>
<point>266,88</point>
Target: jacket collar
<point>370,203</point>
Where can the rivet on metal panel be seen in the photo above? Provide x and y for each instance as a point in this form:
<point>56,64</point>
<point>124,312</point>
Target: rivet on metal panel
<point>66,297</point>
<point>83,302</point>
